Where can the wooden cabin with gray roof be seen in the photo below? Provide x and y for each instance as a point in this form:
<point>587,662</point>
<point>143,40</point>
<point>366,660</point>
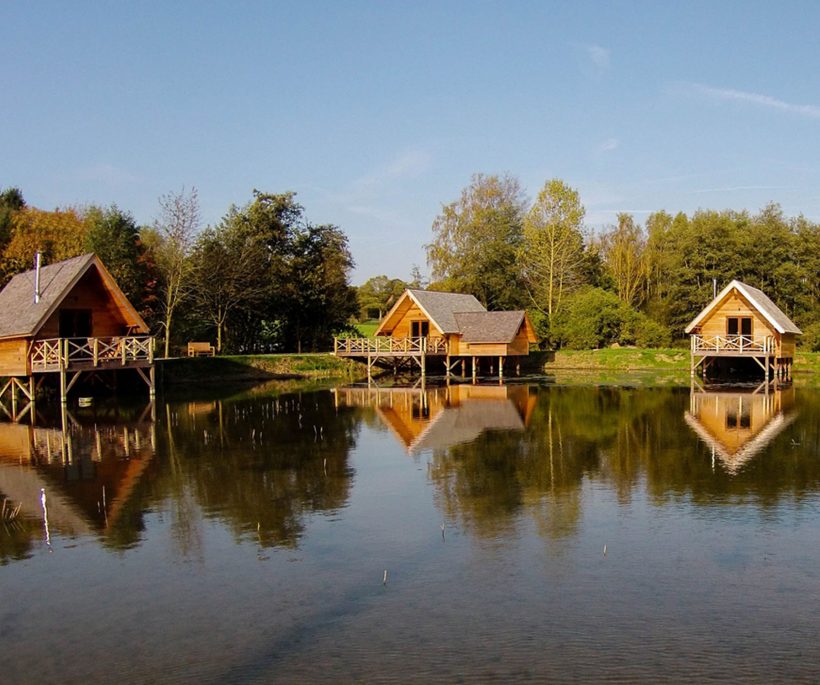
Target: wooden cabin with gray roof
<point>69,318</point>
<point>743,322</point>
<point>451,327</point>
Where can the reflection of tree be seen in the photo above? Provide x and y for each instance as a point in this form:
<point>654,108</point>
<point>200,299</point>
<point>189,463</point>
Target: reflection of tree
<point>261,465</point>
<point>630,439</point>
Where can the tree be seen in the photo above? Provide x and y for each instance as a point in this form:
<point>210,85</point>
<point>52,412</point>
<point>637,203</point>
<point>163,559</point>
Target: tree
<point>56,235</point>
<point>477,239</point>
<point>321,299</point>
<point>114,237</point>
<point>239,258</point>
<point>378,294</point>
<point>624,247</point>
<point>175,231</point>
<point>552,252</point>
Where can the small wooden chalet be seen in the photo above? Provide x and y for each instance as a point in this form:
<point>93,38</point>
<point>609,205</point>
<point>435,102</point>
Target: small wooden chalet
<point>451,326</point>
<point>69,318</point>
<point>736,425</point>
<point>743,322</point>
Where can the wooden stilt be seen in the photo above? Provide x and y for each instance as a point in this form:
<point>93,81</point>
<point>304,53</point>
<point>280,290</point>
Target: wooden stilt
<point>63,393</point>
<point>474,369</point>
<point>500,367</point>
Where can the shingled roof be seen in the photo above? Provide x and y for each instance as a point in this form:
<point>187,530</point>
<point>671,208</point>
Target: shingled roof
<point>439,307</point>
<point>489,327</point>
<point>759,300</point>
<point>21,317</point>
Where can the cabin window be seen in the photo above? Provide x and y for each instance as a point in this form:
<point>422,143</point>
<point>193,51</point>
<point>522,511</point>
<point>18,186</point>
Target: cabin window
<point>419,329</point>
<point>739,325</point>
<point>75,323</point>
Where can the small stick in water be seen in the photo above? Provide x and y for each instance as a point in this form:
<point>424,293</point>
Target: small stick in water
<point>384,580</point>
<point>604,550</point>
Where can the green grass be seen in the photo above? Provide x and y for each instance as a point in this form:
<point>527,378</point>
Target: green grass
<point>367,328</point>
<point>623,358</point>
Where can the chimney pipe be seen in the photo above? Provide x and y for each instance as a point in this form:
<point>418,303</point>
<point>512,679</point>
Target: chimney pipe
<point>37,278</point>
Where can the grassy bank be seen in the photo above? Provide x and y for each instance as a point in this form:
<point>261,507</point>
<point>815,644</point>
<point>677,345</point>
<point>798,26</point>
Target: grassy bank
<point>241,368</point>
<point>621,359</point>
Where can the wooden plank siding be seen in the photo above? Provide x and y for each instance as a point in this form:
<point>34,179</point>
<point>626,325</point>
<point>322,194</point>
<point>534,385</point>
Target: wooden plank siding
<point>734,305</point>
<point>14,359</point>
<point>90,293</point>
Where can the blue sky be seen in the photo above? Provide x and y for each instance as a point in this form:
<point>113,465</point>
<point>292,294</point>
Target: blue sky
<point>377,113</point>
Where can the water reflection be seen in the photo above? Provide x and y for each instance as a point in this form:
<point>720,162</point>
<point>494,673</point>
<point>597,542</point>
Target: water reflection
<point>440,417</point>
<point>78,478</point>
<point>737,424</point>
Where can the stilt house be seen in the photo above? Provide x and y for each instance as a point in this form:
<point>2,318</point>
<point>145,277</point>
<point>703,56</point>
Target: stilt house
<point>743,322</point>
<point>451,326</point>
<point>69,318</point>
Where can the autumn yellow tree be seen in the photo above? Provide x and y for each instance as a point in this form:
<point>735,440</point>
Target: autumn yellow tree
<point>624,250</point>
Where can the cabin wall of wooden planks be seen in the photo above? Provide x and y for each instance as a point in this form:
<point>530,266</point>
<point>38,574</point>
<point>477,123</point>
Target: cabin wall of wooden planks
<point>402,329</point>
<point>519,346</point>
<point>90,293</point>
<point>14,357</point>
<point>735,305</point>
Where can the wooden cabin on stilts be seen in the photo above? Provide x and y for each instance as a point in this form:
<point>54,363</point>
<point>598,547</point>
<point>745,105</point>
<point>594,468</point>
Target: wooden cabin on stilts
<point>742,322</point>
<point>68,319</point>
<point>452,328</point>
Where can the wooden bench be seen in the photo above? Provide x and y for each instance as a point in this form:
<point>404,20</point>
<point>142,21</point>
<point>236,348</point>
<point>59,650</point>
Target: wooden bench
<point>195,349</point>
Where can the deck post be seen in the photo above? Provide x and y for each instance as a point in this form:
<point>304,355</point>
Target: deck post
<point>474,369</point>
<point>500,367</point>
<point>31,391</point>
<point>152,387</point>
<point>447,364</point>
<point>63,392</point>
<point>463,367</point>
<point>14,398</point>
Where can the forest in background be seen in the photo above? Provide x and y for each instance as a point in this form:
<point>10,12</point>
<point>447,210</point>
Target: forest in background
<point>631,283</point>
<point>264,279</point>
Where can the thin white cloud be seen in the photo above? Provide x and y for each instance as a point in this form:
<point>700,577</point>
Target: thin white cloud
<point>758,99</point>
<point>409,164</point>
<point>599,56</point>
<point>609,145</point>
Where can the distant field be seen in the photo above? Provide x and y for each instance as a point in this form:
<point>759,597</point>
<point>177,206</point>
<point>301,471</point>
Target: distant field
<point>367,328</point>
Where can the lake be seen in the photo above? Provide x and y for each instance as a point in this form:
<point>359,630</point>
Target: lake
<point>552,532</point>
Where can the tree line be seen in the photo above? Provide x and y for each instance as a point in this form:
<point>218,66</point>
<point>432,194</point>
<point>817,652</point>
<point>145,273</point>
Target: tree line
<point>262,279</point>
<point>630,283</point>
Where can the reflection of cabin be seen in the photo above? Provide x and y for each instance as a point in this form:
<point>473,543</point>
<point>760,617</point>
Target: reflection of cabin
<point>68,318</point>
<point>441,417</point>
<point>736,425</point>
<point>743,322</point>
<point>450,326</point>
<point>89,472</point>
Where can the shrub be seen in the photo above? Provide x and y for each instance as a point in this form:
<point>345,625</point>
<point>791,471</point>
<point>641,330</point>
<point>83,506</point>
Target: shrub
<point>810,340</point>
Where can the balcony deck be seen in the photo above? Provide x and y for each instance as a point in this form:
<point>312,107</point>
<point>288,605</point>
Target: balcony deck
<point>733,346</point>
<point>88,354</point>
<point>389,347</point>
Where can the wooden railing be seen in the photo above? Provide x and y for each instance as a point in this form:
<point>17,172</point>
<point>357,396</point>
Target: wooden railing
<point>362,347</point>
<point>740,344</point>
<point>59,354</point>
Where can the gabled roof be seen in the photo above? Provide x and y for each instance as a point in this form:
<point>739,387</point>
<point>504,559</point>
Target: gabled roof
<point>439,307</point>
<point>759,300</point>
<point>20,317</point>
<point>489,327</point>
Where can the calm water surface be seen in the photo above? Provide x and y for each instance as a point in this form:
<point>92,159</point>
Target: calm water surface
<point>555,533</point>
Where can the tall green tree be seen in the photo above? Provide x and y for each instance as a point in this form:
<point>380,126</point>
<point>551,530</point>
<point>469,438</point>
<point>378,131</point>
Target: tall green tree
<point>476,242</point>
<point>114,237</point>
<point>378,294</point>
<point>552,250</point>
<point>229,274</point>
<point>320,298</point>
<point>624,248</point>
